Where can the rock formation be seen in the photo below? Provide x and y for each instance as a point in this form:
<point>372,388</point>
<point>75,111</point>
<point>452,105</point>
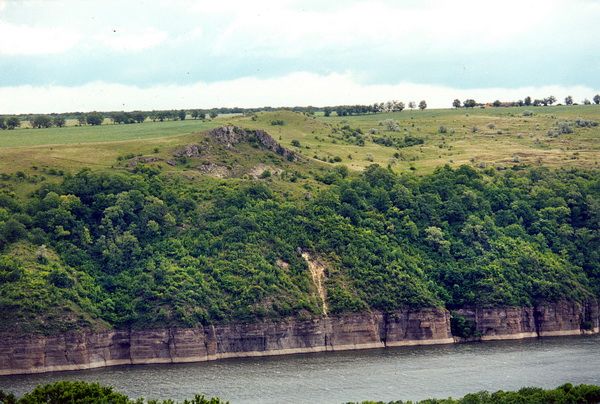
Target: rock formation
<point>84,350</point>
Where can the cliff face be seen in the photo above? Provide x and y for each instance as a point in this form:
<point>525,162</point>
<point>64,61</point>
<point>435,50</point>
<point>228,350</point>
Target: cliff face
<point>356,331</point>
<point>562,318</point>
<point>89,350</point>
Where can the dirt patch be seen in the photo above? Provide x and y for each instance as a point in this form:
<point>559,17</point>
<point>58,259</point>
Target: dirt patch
<point>258,170</point>
<point>317,272</point>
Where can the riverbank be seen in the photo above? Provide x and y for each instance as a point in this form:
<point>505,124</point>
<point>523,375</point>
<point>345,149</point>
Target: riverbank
<point>86,350</point>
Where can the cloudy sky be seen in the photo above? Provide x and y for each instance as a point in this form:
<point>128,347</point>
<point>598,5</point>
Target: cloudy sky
<point>58,56</point>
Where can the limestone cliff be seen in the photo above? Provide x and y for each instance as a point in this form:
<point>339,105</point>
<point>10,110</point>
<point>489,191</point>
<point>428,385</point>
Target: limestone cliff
<point>84,350</point>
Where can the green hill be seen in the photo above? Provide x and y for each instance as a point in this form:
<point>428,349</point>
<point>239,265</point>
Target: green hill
<point>196,228</point>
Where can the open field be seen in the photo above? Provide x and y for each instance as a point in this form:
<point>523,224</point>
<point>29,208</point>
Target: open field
<point>482,137</point>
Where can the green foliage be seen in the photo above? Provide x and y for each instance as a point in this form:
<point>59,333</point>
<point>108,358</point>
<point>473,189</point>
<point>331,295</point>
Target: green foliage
<point>79,392</point>
<point>567,393</point>
<point>146,249</point>
<point>462,326</point>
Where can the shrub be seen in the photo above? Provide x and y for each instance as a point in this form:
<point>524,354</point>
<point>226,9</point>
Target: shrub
<point>391,125</point>
<point>442,129</point>
<point>296,143</point>
<point>527,113</point>
<point>277,122</point>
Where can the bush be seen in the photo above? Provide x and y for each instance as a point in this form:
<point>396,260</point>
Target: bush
<point>277,122</point>
<point>462,326</point>
<point>584,123</point>
<point>527,113</point>
<point>391,125</point>
<point>442,129</point>
<point>296,143</point>
<point>80,392</point>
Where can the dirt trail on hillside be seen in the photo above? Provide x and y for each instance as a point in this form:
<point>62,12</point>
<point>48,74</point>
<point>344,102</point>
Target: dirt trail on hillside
<point>317,272</point>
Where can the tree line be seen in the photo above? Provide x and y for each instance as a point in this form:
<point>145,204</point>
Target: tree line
<point>122,117</point>
<point>526,102</point>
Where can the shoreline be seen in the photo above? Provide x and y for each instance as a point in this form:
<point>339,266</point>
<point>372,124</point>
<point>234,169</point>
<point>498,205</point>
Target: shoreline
<point>357,331</point>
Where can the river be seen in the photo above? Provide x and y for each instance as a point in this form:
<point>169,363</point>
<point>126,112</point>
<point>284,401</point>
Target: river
<point>337,377</point>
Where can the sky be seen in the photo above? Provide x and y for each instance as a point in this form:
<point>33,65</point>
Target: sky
<point>83,55</point>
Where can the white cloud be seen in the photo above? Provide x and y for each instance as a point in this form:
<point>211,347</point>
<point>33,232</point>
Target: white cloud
<point>29,40</point>
<point>293,89</point>
<point>125,40</point>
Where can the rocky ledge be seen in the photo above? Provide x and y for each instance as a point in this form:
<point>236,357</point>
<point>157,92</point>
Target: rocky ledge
<point>84,350</point>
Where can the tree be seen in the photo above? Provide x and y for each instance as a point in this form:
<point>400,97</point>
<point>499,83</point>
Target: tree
<point>139,116</point>
<point>13,122</point>
<point>469,103</point>
<point>94,119</point>
<point>568,100</point>
<point>596,99</point>
<point>422,105</point>
<point>59,121</point>
<point>81,120</point>
<point>456,103</point>
<point>181,114</point>
<point>41,121</point>
<point>496,103</point>
<point>327,111</point>
<point>412,105</point>
<point>213,114</point>
<point>586,102</point>
<point>551,100</point>
<point>2,123</point>
<point>528,101</point>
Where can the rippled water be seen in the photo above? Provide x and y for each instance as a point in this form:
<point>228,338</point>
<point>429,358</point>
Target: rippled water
<point>381,374</point>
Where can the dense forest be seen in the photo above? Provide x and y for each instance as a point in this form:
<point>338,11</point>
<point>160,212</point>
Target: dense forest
<point>140,249</point>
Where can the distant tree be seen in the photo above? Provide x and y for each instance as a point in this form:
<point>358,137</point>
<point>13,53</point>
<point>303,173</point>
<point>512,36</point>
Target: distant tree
<point>327,111</point>
<point>550,100</point>
<point>139,116</point>
<point>41,121</point>
<point>13,122</point>
<point>181,115</point>
<point>59,121</point>
<point>537,103</point>
<point>81,120</point>
<point>412,105</point>
<point>120,117</point>
<point>520,103</point>
<point>94,118</point>
<point>162,116</point>
<point>194,113</point>
<point>527,101</point>
<point>568,100</point>
<point>586,102</point>
<point>469,103</point>
<point>2,123</point>
<point>496,103</point>
<point>422,105</point>
<point>596,99</point>
<point>397,106</point>
<point>213,114</point>
<point>456,103</point>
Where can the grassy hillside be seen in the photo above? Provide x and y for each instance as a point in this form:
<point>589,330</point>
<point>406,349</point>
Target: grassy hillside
<point>168,224</point>
<point>496,137</point>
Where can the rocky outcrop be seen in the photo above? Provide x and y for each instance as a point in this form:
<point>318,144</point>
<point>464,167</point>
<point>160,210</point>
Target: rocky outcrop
<point>89,350</point>
<point>550,319</point>
<point>84,350</point>
<point>232,135</point>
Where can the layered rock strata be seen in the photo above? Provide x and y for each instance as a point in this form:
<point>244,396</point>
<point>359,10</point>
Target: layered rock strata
<point>85,350</point>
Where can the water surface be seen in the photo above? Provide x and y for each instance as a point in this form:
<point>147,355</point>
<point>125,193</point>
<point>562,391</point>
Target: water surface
<point>379,374</point>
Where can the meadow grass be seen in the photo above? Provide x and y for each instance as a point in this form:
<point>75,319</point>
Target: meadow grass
<point>497,137</point>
